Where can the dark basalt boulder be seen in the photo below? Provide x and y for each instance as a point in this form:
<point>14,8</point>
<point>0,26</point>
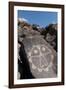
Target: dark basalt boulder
<point>38,58</point>
<point>50,35</point>
<point>32,41</point>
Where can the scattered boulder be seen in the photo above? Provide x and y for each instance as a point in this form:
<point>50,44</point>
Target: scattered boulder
<point>50,35</point>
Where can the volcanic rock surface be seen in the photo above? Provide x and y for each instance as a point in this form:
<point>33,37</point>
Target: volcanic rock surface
<point>37,51</point>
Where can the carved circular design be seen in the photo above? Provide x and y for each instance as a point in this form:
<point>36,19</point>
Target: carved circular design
<point>40,57</point>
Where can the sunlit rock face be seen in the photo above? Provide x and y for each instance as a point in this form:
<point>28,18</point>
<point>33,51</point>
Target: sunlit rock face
<point>41,57</point>
<point>23,32</point>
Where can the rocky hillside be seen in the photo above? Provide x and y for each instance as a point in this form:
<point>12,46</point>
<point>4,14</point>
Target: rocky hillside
<point>49,32</point>
<point>29,35</point>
